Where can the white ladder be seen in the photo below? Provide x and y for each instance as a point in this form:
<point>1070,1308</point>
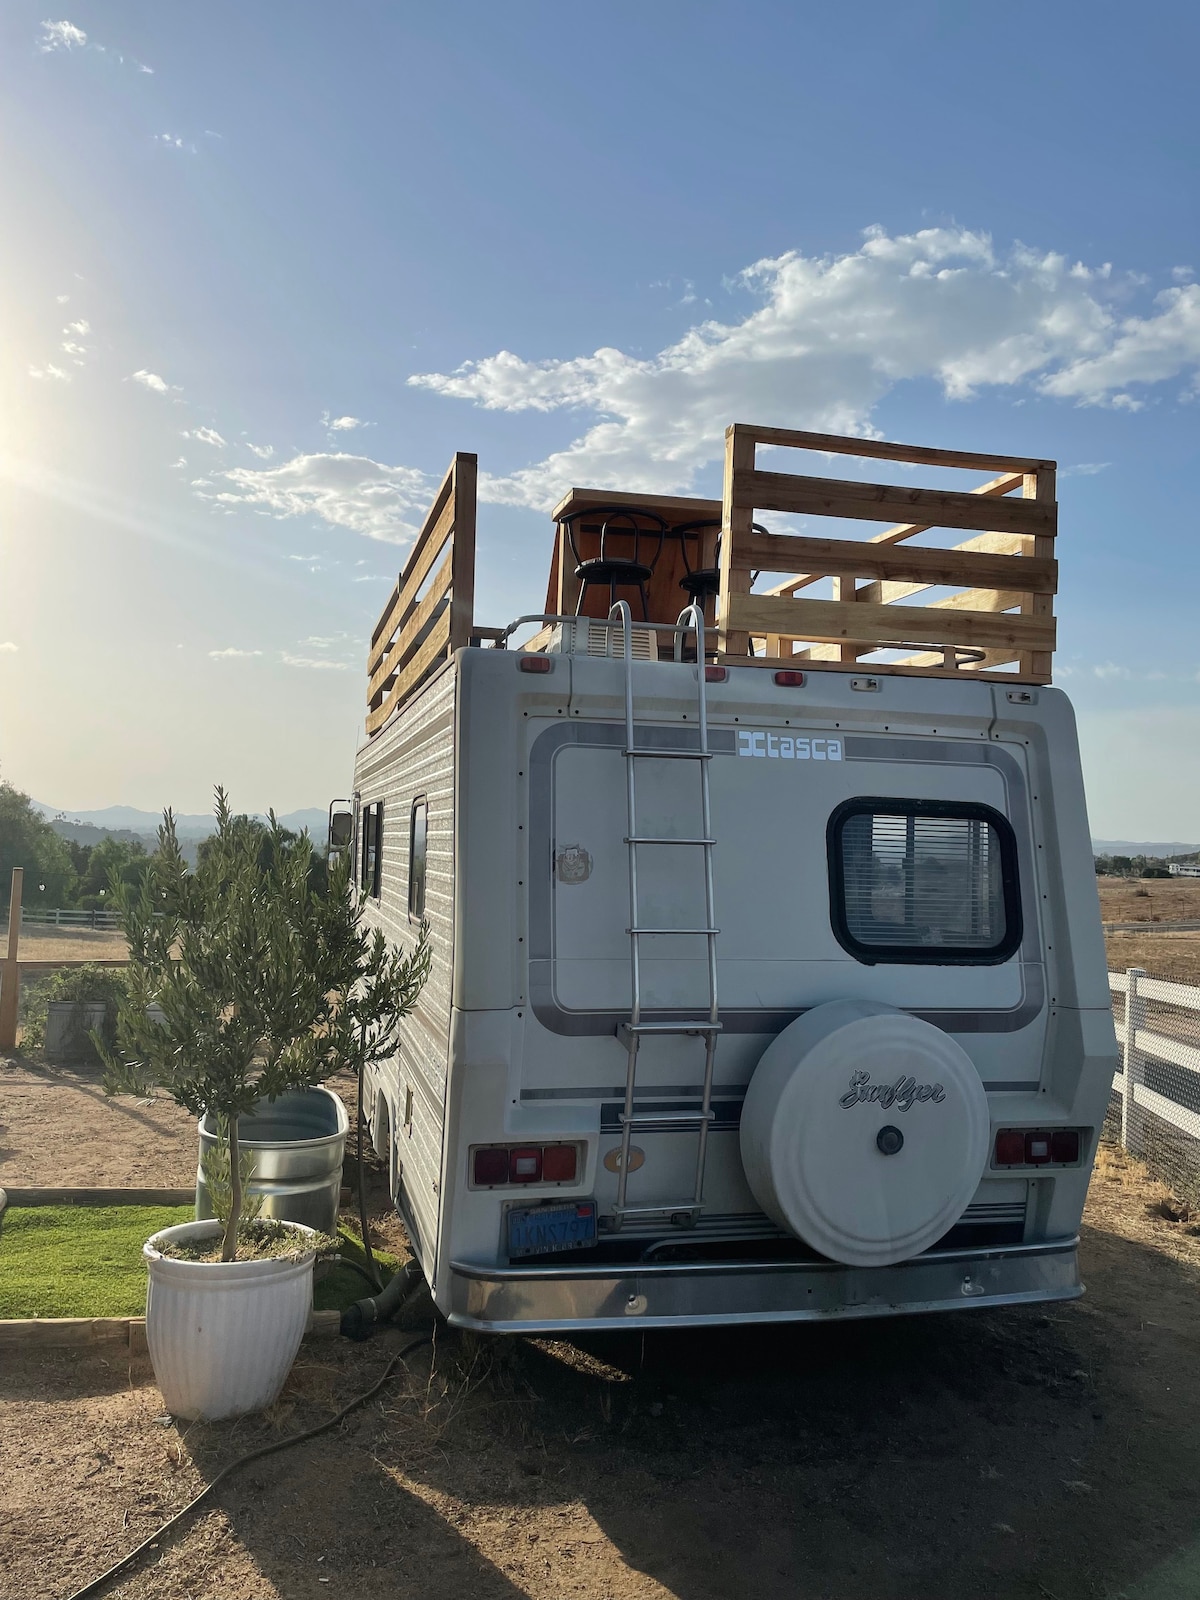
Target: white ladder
<point>707,1028</point>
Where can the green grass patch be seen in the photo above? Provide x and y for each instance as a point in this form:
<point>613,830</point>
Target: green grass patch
<point>78,1261</point>
<point>86,1261</point>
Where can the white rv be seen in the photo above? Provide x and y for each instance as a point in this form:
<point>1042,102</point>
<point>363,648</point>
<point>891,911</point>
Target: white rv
<point>768,980</point>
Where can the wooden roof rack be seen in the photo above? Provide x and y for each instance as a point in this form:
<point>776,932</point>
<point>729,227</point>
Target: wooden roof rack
<point>991,617</point>
<point>998,615</point>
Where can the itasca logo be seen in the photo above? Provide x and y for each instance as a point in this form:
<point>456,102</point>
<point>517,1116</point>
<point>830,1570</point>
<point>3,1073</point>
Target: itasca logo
<point>902,1094</point>
<point>786,746</point>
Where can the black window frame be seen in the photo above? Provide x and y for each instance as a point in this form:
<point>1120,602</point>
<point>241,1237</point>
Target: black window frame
<point>924,954</point>
<point>417,882</point>
<point>371,862</point>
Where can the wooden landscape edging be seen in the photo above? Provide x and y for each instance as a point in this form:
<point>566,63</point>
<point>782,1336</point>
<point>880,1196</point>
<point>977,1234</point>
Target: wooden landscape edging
<point>81,1333</point>
<point>97,1197</point>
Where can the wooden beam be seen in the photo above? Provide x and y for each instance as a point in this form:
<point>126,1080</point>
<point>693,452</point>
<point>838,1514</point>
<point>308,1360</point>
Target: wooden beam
<point>672,508</point>
<point>828,622</point>
<point>856,558</point>
<point>737,520</point>
<point>883,450</point>
<point>441,500</point>
<point>416,570</point>
<point>10,972</point>
<point>884,669</point>
<point>1039,487</point>
<point>878,502</point>
<point>462,551</point>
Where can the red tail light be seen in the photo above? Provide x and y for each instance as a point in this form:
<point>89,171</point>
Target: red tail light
<point>790,680</point>
<point>559,1162</point>
<point>1010,1149</point>
<point>1064,1145</point>
<point>534,663</point>
<point>1037,1147</point>
<point>715,674</point>
<point>525,1165</point>
<point>490,1166</point>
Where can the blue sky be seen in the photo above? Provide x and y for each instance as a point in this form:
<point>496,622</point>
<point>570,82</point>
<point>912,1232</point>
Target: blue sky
<point>264,268</point>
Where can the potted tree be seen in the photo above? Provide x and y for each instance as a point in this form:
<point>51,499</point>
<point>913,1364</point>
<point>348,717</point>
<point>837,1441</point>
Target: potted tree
<point>249,977</point>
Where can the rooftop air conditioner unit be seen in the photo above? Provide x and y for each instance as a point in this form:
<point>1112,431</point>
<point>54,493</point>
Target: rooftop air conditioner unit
<point>584,636</point>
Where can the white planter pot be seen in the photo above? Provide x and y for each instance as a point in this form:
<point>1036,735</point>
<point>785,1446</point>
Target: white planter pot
<point>223,1335</point>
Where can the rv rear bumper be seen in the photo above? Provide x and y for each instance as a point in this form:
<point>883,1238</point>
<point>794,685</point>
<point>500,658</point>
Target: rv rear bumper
<point>530,1299</point>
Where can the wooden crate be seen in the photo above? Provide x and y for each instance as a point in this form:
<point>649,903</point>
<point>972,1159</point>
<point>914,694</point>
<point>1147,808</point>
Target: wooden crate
<point>1000,610</point>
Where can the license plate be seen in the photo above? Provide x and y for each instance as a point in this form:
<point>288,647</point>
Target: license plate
<point>540,1230</point>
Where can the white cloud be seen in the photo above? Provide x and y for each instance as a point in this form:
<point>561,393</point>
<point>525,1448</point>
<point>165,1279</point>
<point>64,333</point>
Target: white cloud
<point>62,299</point>
<point>232,653</point>
<point>1085,469</point>
<point>50,371</point>
<point>151,380</point>
<point>61,36</point>
<point>1111,669</point>
<point>264,452</point>
<point>76,351</point>
<point>341,424</point>
<point>829,338</point>
<point>174,142</point>
<point>204,435</point>
<point>81,327</point>
<point>66,36</point>
<point>314,664</point>
<point>182,462</point>
<point>8,645</point>
<point>1182,274</point>
<point>343,490</point>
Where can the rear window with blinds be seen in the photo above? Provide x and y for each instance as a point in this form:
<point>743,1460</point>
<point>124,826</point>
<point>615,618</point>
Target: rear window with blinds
<point>923,881</point>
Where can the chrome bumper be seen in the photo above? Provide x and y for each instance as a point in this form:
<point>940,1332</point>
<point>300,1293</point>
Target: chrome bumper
<point>530,1299</point>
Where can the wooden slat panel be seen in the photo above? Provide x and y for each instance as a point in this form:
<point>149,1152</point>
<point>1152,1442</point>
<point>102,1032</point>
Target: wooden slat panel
<point>434,597</point>
<point>996,543</point>
<point>435,646</point>
<point>416,570</point>
<point>876,502</point>
<point>883,450</point>
<point>826,621</point>
<point>774,552</point>
<point>440,501</point>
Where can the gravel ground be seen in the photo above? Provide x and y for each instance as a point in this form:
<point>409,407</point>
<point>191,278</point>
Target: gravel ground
<point>1026,1453</point>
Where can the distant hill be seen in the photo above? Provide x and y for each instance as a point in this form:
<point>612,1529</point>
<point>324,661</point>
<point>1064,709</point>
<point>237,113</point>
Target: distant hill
<point>128,822</point>
<point>1129,847</point>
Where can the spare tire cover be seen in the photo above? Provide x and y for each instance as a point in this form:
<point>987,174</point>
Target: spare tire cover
<point>864,1132</point>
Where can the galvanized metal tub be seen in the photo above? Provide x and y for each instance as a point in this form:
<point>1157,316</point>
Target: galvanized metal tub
<point>298,1141</point>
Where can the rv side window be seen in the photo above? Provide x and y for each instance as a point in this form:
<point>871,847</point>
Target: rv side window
<point>418,846</point>
<point>923,881</point>
<point>372,849</point>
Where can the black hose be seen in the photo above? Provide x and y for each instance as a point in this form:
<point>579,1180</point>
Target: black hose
<point>360,1320</point>
<point>252,1455</point>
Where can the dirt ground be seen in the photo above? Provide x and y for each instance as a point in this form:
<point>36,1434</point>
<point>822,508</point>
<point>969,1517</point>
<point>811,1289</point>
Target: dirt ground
<point>67,944</point>
<point>1026,1453</point>
<point>1149,899</point>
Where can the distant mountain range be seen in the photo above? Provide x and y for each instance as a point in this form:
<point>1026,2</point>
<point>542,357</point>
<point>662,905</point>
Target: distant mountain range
<point>1130,847</point>
<point>127,822</point>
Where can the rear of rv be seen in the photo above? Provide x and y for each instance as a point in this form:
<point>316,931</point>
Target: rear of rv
<point>913,1043</point>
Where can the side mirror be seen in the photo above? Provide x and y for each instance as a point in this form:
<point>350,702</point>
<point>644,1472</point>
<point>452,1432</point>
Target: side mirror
<point>341,829</point>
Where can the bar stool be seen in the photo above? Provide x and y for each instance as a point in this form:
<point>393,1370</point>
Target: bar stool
<point>642,529</point>
<point>703,584</point>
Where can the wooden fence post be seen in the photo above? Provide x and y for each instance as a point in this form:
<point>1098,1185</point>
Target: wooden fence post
<point>10,989</point>
<point>1135,1018</point>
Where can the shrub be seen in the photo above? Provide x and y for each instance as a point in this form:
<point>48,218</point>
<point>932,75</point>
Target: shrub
<point>80,986</point>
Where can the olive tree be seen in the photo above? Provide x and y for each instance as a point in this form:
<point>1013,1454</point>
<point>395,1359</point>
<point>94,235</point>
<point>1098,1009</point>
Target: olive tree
<point>246,981</point>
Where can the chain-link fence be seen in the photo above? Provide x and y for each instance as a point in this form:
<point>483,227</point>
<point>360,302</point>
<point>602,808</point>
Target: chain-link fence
<point>1155,1106</point>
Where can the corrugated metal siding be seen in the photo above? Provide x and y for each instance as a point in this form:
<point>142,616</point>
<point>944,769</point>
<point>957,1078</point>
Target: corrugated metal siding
<point>414,757</point>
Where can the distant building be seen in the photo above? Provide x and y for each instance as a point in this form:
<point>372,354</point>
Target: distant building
<point>1179,869</point>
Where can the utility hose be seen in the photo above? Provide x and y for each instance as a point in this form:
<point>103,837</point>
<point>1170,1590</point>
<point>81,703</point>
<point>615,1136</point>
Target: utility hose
<point>252,1455</point>
<point>360,1320</point>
